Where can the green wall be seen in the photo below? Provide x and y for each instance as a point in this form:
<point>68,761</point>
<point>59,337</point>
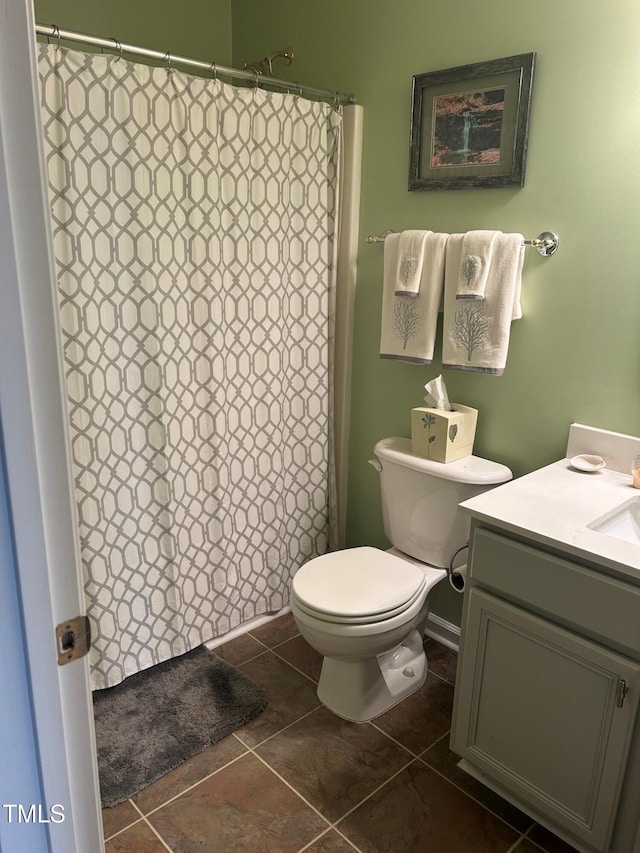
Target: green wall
<point>575,356</point>
<point>199,29</point>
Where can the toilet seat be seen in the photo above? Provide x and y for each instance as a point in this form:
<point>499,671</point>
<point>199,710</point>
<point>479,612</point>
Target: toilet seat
<point>365,619</point>
<point>357,586</point>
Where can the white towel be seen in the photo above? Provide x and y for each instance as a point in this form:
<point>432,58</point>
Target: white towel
<point>411,250</point>
<point>476,334</point>
<point>477,249</point>
<point>409,324</point>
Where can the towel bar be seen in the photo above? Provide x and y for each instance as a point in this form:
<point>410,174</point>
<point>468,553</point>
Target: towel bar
<point>546,243</point>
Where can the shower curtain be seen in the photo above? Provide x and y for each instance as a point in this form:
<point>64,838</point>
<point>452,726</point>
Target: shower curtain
<point>193,231</point>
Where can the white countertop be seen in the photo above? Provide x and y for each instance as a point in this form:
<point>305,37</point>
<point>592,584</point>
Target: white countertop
<point>554,505</point>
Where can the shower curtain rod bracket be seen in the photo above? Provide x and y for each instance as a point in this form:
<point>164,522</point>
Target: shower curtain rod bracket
<point>265,66</point>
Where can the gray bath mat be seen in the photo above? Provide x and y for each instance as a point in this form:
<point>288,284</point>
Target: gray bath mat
<point>157,718</point>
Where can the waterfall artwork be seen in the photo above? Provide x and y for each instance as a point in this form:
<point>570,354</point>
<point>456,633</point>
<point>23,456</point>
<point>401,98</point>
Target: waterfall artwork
<point>470,125</point>
<point>467,128</point>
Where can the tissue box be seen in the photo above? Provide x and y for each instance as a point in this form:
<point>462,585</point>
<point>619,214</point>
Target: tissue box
<point>443,436</point>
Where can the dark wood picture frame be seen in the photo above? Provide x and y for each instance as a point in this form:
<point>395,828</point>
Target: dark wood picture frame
<point>470,125</point>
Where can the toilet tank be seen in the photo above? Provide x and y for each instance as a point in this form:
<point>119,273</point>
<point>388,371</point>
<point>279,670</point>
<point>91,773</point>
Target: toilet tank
<point>420,499</point>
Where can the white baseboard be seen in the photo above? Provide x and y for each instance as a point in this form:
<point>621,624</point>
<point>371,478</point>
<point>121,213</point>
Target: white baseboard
<point>444,632</point>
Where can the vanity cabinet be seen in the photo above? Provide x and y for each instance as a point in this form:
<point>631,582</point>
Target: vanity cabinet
<point>547,684</point>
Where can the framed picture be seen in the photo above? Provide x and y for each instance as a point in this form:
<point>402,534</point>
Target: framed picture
<point>469,125</point>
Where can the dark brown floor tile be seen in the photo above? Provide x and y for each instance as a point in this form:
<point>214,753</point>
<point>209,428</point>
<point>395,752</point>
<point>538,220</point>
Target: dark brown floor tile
<point>333,763</point>
<point>526,846</point>
<point>442,660</point>
<point>277,631</point>
<point>420,719</point>
<point>188,773</point>
<point>116,818</point>
<point>419,811</point>
<point>244,807</point>
<point>299,653</point>
<point>138,839</point>
<point>331,842</point>
<point>442,759</point>
<point>549,842</point>
<point>291,695</point>
<point>239,650</point>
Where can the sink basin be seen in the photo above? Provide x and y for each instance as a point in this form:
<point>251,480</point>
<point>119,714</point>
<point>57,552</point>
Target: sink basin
<point>623,522</point>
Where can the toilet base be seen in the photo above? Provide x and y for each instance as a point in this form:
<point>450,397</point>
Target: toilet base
<point>363,689</point>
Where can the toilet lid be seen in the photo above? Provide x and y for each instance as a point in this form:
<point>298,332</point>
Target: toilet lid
<point>356,583</point>
<point>366,619</point>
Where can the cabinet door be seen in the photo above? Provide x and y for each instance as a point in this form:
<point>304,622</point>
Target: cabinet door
<point>544,713</point>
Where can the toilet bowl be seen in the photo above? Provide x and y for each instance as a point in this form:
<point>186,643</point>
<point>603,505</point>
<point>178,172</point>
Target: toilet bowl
<point>364,609</point>
<point>360,608</point>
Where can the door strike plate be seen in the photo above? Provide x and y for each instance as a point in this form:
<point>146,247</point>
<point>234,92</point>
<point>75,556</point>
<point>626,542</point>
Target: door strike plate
<point>73,639</point>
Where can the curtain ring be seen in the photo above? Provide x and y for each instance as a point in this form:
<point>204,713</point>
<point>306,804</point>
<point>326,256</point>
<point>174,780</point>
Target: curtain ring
<point>118,48</point>
<point>214,68</point>
<point>55,34</point>
<point>167,56</point>
<point>336,101</point>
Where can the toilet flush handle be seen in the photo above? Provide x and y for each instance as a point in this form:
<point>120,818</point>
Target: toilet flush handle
<point>375,463</point>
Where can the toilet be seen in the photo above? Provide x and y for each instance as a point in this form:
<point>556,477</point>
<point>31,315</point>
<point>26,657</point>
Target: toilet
<point>364,609</point>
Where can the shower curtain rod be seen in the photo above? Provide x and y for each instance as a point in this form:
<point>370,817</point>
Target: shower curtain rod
<point>51,31</point>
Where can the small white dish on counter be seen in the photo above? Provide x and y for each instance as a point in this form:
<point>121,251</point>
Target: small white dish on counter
<point>587,462</point>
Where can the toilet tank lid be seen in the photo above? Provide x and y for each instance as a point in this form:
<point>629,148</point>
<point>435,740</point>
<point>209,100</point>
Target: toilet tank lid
<point>471,469</point>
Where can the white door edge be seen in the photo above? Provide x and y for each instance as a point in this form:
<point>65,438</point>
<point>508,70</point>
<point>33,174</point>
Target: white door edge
<point>38,479</point>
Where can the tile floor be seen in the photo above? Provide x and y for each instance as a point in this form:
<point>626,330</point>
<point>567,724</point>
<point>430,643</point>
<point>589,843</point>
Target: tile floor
<point>299,778</point>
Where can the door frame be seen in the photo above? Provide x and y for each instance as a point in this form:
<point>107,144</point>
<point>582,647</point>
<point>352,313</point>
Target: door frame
<point>40,554</point>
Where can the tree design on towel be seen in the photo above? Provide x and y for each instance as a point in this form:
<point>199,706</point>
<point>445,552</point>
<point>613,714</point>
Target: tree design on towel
<point>406,319</point>
<point>470,268</point>
<point>408,268</point>
<point>471,326</point>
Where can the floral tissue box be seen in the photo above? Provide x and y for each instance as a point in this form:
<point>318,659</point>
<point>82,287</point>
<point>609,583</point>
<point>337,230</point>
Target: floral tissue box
<point>443,436</point>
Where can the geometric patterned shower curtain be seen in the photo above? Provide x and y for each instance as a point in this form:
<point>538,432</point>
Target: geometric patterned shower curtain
<point>194,235</point>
